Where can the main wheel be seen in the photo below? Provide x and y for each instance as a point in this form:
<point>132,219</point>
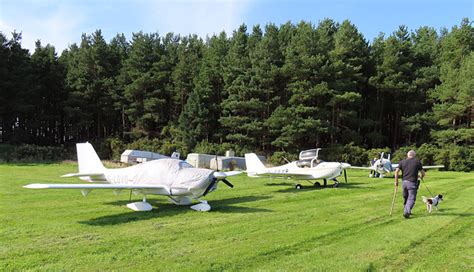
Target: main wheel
<point>317,184</point>
<point>299,186</point>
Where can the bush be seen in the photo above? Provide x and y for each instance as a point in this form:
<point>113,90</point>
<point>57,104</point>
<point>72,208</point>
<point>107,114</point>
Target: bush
<point>354,155</point>
<point>401,153</point>
<point>167,148</point>
<point>426,153</point>
<point>453,157</point>
<point>278,158</point>
<point>456,158</point>
<point>146,144</point>
<point>34,153</point>
<point>117,147</point>
<point>205,147</point>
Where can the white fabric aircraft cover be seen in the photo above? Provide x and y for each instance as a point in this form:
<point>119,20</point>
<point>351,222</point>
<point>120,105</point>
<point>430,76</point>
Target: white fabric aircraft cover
<point>171,173</point>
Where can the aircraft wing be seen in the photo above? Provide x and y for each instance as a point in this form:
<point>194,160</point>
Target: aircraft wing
<point>433,166</point>
<point>232,173</point>
<point>395,165</point>
<point>94,186</point>
<point>363,167</point>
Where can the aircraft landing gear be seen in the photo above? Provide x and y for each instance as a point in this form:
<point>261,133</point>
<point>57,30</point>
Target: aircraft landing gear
<point>141,206</point>
<point>336,183</point>
<point>299,186</point>
<point>201,207</point>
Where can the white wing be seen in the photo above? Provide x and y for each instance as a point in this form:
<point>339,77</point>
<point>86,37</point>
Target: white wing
<point>432,166</point>
<point>363,167</point>
<point>95,186</point>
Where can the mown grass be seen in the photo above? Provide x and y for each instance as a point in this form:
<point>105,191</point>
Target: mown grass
<point>258,225</point>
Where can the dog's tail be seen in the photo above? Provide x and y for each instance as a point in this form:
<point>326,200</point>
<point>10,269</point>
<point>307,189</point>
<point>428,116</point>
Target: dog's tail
<point>425,199</point>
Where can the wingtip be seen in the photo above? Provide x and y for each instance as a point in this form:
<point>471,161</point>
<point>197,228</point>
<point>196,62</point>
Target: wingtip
<point>34,186</point>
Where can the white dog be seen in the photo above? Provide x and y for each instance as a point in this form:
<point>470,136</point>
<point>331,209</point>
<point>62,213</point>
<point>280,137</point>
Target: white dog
<point>430,202</point>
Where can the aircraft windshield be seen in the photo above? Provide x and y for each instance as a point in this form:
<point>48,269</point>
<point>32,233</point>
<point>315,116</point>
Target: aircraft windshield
<point>308,154</point>
<point>183,164</point>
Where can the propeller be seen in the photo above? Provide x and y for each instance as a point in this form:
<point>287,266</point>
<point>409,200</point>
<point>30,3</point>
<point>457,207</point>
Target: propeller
<point>221,176</point>
<point>217,176</point>
<point>344,167</point>
<point>213,182</point>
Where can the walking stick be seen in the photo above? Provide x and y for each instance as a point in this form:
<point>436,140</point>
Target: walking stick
<point>393,200</point>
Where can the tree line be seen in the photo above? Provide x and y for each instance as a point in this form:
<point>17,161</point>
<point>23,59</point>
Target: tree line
<point>276,88</point>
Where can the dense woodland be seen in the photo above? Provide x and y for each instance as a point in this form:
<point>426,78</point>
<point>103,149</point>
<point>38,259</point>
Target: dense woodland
<point>273,88</point>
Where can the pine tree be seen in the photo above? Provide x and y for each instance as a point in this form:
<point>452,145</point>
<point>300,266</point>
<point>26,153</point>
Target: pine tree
<point>48,95</point>
<point>199,119</point>
<point>241,118</point>
<point>453,108</point>
<point>189,57</point>
<point>393,80</point>
<point>145,78</point>
<point>349,61</point>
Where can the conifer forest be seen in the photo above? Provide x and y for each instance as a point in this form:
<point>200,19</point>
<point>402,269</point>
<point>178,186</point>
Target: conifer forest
<point>269,89</point>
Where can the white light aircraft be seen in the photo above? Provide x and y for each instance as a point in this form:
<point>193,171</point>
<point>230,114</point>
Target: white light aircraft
<point>308,168</point>
<point>174,178</point>
<point>382,167</point>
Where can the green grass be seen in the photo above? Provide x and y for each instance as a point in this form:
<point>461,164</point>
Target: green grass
<point>258,225</point>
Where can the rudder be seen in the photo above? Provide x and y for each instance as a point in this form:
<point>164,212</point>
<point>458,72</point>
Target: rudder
<point>88,160</point>
<point>253,164</point>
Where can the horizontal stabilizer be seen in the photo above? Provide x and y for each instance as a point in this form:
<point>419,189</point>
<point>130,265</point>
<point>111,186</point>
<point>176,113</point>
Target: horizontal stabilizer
<point>70,175</point>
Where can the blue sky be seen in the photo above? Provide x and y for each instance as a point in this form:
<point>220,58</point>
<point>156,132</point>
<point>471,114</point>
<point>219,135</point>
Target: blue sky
<point>61,22</point>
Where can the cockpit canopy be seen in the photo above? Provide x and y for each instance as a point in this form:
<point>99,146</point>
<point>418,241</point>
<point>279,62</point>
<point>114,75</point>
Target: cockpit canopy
<point>308,158</point>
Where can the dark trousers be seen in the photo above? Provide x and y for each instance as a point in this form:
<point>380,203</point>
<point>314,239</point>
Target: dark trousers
<point>409,195</point>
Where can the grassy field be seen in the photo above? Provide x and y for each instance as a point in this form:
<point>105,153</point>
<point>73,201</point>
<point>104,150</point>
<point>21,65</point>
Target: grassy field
<point>258,225</point>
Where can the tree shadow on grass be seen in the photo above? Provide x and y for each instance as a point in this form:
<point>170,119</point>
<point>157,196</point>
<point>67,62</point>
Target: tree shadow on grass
<point>169,209</point>
<point>279,184</point>
<point>447,212</point>
<point>309,187</point>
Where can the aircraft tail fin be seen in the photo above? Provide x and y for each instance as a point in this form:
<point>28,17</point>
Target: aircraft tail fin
<point>88,159</point>
<point>253,164</point>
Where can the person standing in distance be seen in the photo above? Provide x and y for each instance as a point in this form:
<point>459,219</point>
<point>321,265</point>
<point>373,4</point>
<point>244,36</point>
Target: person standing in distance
<point>412,169</point>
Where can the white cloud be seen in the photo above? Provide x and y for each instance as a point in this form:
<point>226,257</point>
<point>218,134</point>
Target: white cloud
<point>199,17</point>
<point>58,26</point>
<point>61,23</point>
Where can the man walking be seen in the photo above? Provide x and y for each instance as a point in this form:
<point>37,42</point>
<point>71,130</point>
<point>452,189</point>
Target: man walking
<point>410,168</point>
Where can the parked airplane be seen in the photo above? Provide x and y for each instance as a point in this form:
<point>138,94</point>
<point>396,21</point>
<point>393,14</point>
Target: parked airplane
<point>383,166</point>
<point>174,178</point>
<point>308,168</point>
